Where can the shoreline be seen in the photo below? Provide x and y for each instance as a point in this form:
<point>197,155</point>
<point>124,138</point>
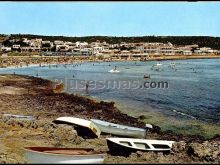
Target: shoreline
<point>152,113</point>
<point>34,96</point>
<point>47,89</point>
<point>187,126</point>
<point>187,57</point>
<point>25,61</point>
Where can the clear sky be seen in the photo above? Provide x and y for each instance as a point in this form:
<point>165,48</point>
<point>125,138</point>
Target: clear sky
<point>111,18</point>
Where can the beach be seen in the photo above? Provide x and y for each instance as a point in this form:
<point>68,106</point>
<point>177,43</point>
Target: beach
<point>25,95</point>
<point>22,61</point>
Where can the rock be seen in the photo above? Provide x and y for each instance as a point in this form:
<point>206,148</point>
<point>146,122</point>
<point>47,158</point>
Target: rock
<point>208,151</point>
<point>48,127</point>
<point>142,117</point>
<point>139,153</point>
<point>155,129</point>
<point>178,146</point>
<point>64,134</point>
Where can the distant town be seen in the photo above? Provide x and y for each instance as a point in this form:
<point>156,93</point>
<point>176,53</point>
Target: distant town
<point>102,50</point>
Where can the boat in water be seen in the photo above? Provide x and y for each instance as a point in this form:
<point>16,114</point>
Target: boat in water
<point>158,64</point>
<point>56,155</point>
<point>114,70</point>
<point>119,130</point>
<point>84,128</point>
<point>126,146</point>
<point>146,76</point>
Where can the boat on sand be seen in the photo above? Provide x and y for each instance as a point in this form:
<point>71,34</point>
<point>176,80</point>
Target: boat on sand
<point>63,155</point>
<point>126,146</point>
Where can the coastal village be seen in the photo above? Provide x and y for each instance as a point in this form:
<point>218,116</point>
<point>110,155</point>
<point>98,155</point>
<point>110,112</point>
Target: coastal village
<point>23,51</point>
<point>123,50</point>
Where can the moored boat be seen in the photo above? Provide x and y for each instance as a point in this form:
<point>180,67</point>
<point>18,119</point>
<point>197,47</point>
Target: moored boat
<point>158,64</point>
<point>63,155</point>
<point>146,76</point>
<point>126,146</point>
<point>114,71</point>
<point>120,130</point>
<point>84,128</point>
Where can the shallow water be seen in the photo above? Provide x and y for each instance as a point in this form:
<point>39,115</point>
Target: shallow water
<point>193,85</point>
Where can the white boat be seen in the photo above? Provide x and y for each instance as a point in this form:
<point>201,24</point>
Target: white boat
<point>83,127</point>
<point>158,64</point>
<point>114,71</point>
<point>125,146</point>
<point>48,155</point>
<point>120,130</point>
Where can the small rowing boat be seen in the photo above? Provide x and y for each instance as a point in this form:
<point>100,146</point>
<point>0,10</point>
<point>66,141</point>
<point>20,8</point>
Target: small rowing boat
<point>120,130</point>
<point>63,155</point>
<point>125,146</point>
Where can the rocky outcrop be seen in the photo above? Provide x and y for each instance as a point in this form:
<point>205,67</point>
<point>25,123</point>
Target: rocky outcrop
<point>64,135</point>
<point>207,151</point>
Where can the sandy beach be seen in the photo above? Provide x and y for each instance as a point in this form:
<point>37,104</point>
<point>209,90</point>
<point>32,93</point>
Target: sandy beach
<point>26,95</point>
<point>24,61</point>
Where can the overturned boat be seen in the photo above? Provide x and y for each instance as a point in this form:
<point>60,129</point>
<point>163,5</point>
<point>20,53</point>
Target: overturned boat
<point>126,146</point>
<point>120,130</point>
<point>42,155</point>
<point>84,128</point>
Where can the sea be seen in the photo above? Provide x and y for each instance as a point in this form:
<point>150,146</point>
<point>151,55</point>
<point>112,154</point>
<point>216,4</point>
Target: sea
<point>184,89</point>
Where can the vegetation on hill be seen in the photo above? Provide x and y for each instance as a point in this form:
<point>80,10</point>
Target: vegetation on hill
<point>213,42</point>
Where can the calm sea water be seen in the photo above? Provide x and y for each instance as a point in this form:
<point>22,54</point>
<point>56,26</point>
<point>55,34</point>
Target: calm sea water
<point>193,85</point>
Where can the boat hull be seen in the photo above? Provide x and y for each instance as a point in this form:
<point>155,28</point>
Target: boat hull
<point>117,149</point>
<point>42,158</point>
<point>84,128</point>
<point>119,130</point>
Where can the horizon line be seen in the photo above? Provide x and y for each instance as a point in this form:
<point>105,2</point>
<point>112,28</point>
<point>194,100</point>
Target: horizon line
<point>153,35</point>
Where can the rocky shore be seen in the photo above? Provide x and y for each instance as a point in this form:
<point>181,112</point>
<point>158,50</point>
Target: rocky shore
<point>26,95</point>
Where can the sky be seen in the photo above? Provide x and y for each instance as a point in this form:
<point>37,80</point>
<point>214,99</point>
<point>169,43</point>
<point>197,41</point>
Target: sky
<point>111,18</point>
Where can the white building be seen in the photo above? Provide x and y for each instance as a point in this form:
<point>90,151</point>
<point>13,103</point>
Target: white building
<point>35,44</point>
<point>97,49</point>
<point>81,44</point>
<point>62,48</point>
<point>57,42</point>
<point>203,50</point>
<point>86,51</point>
